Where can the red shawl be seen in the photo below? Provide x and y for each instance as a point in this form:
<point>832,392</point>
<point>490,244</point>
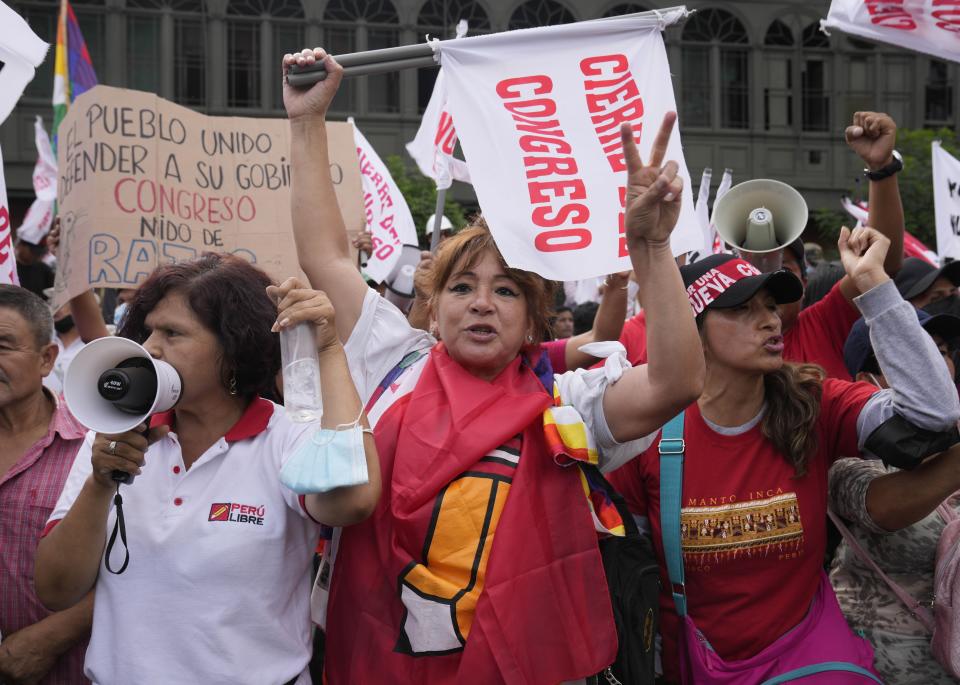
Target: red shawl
<point>543,615</point>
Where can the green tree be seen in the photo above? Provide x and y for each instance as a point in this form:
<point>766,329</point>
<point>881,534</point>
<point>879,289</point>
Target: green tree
<point>420,193</point>
<point>916,179</point>
<point>916,188</point>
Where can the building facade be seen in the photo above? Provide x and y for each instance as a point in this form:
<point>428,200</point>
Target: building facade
<point>760,88</point>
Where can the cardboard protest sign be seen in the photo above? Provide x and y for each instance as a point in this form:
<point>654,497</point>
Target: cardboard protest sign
<point>144,182</point>
<point>929,26</point>
<point>538,113</point>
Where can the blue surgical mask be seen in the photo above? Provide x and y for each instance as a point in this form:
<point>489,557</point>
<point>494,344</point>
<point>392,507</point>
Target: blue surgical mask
<point>326,460</point>
<point>119,313</point>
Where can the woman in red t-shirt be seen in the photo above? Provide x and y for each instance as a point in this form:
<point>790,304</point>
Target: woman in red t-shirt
<point>760,440</point>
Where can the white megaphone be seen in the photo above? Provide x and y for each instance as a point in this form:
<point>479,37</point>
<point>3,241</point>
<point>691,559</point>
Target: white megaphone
<point>113,385</point>
<point>759,218</point>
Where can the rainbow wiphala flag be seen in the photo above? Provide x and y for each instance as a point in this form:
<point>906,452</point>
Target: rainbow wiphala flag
<point>73,72</point>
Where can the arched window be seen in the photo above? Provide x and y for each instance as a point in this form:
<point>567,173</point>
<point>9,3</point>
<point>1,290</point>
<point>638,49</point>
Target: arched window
<point>439,19</point>
<point>42,15</point>
<point>715,70</point>
<point>357,26</point>
<point>166,49</point>
<point>938,96</point>
<point>815,79</point>
<point>779,35</point>
<point>259,32</point>
<point>778,60</point>
<point>535,13</point>
<point>625,8</point>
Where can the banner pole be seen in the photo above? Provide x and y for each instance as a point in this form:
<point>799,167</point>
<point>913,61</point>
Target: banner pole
<point>422,54</point>
<point>437,219</point>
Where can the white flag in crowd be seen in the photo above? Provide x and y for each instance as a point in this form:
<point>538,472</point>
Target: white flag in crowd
<point>432,147</point>
<point>912,246</point>
<point>858,210</point>
<point>21,52</point>
<point>929,26</point>
<point>8,263</point>
<point>946,201</point>
<point>725,182</point>
<point>36,224</point>
<point>702,209</point>
<point>388,217</point>
<point>538,113</point>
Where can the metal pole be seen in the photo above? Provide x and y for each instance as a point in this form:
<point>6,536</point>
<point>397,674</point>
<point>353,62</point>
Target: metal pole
<point>437,219</point>
<point>403,57</point>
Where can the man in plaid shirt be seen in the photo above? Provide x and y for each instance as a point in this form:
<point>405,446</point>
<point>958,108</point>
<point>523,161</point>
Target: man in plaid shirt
<point>38,441</point>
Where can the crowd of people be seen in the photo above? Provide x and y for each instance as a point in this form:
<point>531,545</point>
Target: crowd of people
<point>500,418</point>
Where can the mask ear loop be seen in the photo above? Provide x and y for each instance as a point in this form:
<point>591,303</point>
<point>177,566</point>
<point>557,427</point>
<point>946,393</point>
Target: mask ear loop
<point>332,434</point>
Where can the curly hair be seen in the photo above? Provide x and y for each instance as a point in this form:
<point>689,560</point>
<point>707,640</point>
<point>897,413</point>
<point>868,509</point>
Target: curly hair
<point>228,295</point>
<point>467,248</point>
<point>793,393</point>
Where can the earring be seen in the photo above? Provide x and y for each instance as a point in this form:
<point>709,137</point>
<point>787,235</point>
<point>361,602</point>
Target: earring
<point>530,339</point>
<point>233,385</point>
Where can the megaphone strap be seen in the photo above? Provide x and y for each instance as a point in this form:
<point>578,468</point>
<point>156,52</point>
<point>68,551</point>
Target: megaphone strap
<point>118,527</point>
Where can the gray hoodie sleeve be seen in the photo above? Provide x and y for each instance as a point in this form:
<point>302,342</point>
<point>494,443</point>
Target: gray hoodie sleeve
<point>921,390</point>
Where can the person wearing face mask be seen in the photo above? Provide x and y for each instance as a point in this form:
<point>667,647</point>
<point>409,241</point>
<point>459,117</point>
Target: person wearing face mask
<point>758,444</point>
<point>481,563</point>
<point>876,499</point>
<point>217,589</point>
<point>68,342</point>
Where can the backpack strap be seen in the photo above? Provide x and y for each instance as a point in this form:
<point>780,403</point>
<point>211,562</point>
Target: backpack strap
<point>671,485</point>
<point>920,612</point>
<point>825,667</point>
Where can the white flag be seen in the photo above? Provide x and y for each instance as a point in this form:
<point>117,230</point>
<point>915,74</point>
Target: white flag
<point>388,217</point>
<point>725,182</point>
<point>702,209</point>
<point>432,147</point>
<point>8,263</point>
<point>855,209</point>
<point>946,202</point>
<point>538,113</point>
<point>36,224</point>
<point>929,26</point>
<point>21,52</point>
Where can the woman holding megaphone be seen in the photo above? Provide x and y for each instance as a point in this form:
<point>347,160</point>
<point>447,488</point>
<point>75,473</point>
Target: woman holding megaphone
<point>218,585</point>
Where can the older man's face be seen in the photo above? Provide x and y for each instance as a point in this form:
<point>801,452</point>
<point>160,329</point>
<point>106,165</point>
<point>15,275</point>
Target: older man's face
<point>23,363</point>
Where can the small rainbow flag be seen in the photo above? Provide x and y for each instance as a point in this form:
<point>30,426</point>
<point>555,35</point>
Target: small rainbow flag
<point>73,72</point>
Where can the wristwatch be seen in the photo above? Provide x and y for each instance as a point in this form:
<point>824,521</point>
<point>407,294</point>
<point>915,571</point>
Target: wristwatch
<point>887,171</point>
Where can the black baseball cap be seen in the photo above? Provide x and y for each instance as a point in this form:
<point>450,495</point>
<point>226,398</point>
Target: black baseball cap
<point>721,281</point>
<point>857,350</point>
<point>917,275</point>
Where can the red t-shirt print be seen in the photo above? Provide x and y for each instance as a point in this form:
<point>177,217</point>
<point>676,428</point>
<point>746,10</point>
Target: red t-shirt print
<point>752,535</point>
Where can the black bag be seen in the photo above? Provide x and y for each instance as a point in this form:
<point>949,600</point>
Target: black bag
<point>633,578</point>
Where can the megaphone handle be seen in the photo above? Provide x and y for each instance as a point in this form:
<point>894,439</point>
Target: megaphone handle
<point>121,477</point>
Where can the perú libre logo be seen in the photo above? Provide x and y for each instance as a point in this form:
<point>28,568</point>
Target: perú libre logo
<point>237,513</point>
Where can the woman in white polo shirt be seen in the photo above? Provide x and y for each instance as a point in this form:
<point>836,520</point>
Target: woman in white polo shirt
<point>217,589</point>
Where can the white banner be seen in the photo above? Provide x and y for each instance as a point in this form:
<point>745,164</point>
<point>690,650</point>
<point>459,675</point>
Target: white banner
<point>36,224</point>
<point>929,26</point>
<point>388,217</point>
<point>432,147</point>
<point>8,263</point>
<point>702,209</point>
<point>21,52</point>
<point>538,113</point>
<point>855,209</point>
<point>725,182</point>
<point>946,202</point>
